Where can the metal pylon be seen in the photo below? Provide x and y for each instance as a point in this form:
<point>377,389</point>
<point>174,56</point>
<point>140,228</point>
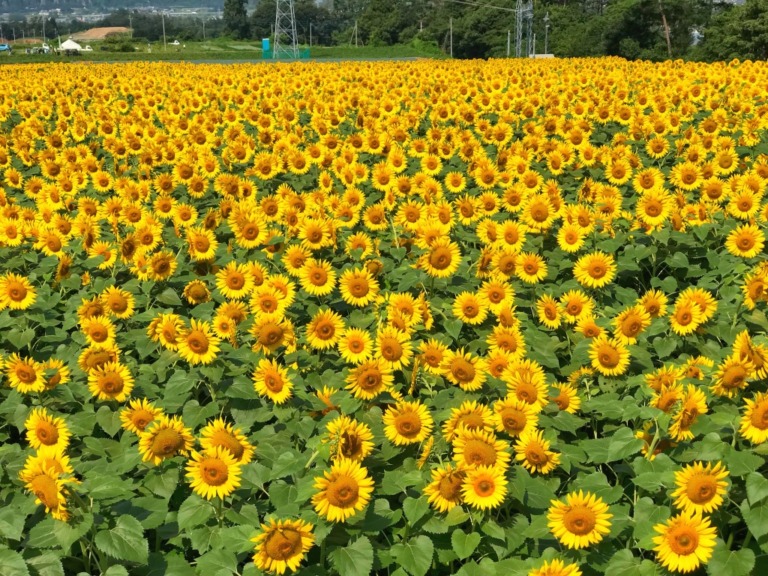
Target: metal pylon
<point>523,27</point>
<point>286,39</point>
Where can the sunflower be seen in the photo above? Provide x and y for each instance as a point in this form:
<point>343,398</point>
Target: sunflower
<point>630,323</point>
<point>484,487</point>
<point>111,381</point>
<point>138,415</point>
<point>692,405</point>
<point>732,376</point>
<point>549,312</point>
<point>582,520</point>
<point>45,431</point>
<point>684,542</point>
<point>56,373</point>
<point>218,434</point>
<point>700,488</point>
<point>610,357</point>
<point>349,438</point>
<point>164,438</point>
<point>567,398</point>
<point>470,415</point>
<point>746,241</point>
<point>317,277</point>
<point>574,305</point>
<point>463,369</point>
<point>442,259</point>
<point>98,331</point>
<point>167,329</point>
<point>654,208</point>
<point>25,374</point>
<point>686,317</point>
<point>570,238</point>
<point>444,491</point>
<point>202,244</point>
<point>282,545</point>
<point>394,347</point>
<point>369,379</point>
<point>271,380</point>
<point>655,303</point>
<point>556,568</point>
<point>355,345</point>
<point>754,423</point>
<point>473,448</point>
<point>407,423</point>
<point>16,292</point>
<point>234,281</point>
<point>595,270</point>
<point>701,298</point>
<point>197,344</point>
<point>118,302</point>
<point>514,416</point>
<point>358,287</point>
<point>342,491</point>
<point>470,308</point>
<point>213,473</point>
<point>49,490</point>
<point>325,329</point>
<point>530,268</point>
<point>532,451</point>
<point>196,292</point>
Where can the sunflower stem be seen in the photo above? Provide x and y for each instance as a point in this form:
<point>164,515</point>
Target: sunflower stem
<point>747,539</point>
<point>730,540</point>
<point>219,511</point>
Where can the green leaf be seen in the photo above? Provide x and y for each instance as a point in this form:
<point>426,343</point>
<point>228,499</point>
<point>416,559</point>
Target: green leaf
<point>13,564</point>
<point>125,541</point>
<point>647,515</point>
<point>598,484</point>
<point>756,518</point>
<point>217,562</point>
<point>355,559</point>
<point>169,298</point>
<point>68,532</point>
<point>730,562</point>
<point>116,571</point>
<point>20,338</point>
<point>415,555</point>
<point>108,420</point>
<point>194,511</point>
<point>11,522</point>
<point>415,509</point>
<point>624,563</point>
<point>47,564</point>
<point>464,544</point>
<point>757,488</point>
<point>619,445</point>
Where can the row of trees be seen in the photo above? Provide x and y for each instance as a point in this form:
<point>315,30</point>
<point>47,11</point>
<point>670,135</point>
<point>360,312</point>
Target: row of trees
<point>647,29</point>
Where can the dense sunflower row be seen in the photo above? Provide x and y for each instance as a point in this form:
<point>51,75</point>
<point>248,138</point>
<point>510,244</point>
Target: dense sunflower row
<point>420,317</point>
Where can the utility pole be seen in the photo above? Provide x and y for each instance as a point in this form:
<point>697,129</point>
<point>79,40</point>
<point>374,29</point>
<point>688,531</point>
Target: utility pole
<point>165,43</point>
<point>310,34</point>
<point>546,33</point>
<point>450,24</point>
<point>203,29</point>
<point>130,23</point>
<point>509,41</point>
<point>43,29</point>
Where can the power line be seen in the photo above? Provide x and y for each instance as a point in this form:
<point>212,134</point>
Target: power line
<point>482,5</point>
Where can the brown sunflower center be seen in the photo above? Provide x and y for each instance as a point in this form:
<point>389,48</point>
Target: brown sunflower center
<point>342,492</point>
<point>141,418</point>
<point>683,540</point>
<point>47,433</point>
<point>734,377</point>
<point>166,443</point>
<point>391,349</point>
<point>111,383</point>
<point>536,455</point>
<point>235,280</point>
<point>370,379</point>
<point>213,471</point>
<point>701,489</point>
<point>484,487</point>
<point>283,544</point>
<point>462,369</point>
<point>325,330</point>
<point>479,453</point>
<point>197,342</point>
<point>450,486</point>
<point>226,440</point>
<point>408,424</point>
<point>608,356</point>
<point>440,258</point>
<point>270,335</point>
<point>513,420</point>
<point>25,373</point>
<point>358,287</point>
<point>579,520</point>
<point>45,489</point>
<point>98,333</point>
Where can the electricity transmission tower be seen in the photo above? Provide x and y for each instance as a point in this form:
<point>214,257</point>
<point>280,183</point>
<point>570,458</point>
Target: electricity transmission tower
<point>286,39</point>
<point>523,27</point>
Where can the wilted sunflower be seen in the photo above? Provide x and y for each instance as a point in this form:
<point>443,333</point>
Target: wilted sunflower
<point>684,542</point>
<point>407,423</point>
<point>700,488</point>
<point>165,437</point>
<point>16,292</point>
<point>219,434</point>
<point>484,487</point>
<point>582,520</point>
<point>197,344</point>
<point>349,438</point>
<point>282,545</point>
<point>342,491</point>
<point>111,381</point>
<point>138,415</point>
<point>213,473</point>
<point>271,380</point>
<point>45,431</point>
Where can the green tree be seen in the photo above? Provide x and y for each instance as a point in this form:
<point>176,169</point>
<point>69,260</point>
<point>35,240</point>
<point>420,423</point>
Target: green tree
<point>236,19</point>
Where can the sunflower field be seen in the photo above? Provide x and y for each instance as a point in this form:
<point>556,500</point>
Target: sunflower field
<point>476,318</point>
